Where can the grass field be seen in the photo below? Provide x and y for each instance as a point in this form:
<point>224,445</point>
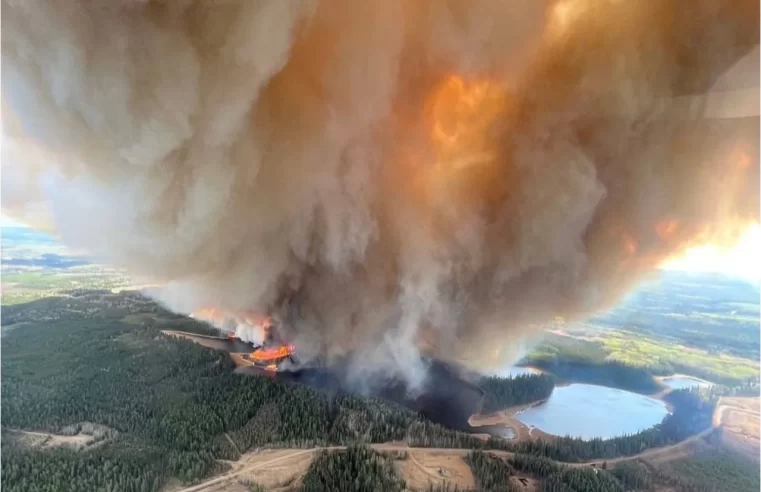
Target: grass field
<point>25,286</point>
<point>636,350</point>
<point>657,356</point>
<point>36,265</point>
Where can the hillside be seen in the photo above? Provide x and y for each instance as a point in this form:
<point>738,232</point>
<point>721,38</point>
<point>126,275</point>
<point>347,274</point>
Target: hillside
<point>173,408</point>
<point>96,397</point>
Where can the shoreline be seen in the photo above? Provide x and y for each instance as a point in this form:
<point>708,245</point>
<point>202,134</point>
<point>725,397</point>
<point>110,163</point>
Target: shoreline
<point>660,379</point>
<point>508,417</point>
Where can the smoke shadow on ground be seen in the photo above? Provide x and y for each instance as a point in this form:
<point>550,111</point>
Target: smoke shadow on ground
<point>446,398</point>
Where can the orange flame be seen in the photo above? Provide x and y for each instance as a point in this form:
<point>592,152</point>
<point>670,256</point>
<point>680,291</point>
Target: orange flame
<point>281,352</point>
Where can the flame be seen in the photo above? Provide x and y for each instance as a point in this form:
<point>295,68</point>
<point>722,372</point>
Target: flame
<point>267,354</point>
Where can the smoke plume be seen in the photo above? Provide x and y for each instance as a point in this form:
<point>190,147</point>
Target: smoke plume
<point>385,178</point>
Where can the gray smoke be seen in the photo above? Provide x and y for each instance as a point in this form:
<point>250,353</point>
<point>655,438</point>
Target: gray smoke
<point>384,177</point>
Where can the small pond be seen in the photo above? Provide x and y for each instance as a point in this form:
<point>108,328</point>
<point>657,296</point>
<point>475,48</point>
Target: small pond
<point>589,411</point>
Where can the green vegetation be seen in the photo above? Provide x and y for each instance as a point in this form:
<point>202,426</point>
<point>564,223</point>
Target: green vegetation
<point>557,478</point>
<point>712,471</point>
<point>714,314</point>
<point>702,325</point>
<point>175,410</point>
<point>501,393</point>
<point>35,265</point>
<point>490,473</point>
<point>118,465</point>
<point>628,361</point>
<point>633,476</point>
<point>356,468</point>
<point>26,286</point>
<point>581,480</point>
<point>171,401</point>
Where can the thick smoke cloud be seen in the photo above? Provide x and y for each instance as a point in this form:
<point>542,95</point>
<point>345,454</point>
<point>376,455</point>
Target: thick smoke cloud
<point>384,177</point>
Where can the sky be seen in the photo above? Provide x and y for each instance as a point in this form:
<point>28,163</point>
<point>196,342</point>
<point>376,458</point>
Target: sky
<point>743,260</point>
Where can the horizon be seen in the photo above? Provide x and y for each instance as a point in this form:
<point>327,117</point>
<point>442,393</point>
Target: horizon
<point>739,261</point>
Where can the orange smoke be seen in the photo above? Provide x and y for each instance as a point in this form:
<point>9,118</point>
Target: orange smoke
<point>459,115</point>
<point>667,228</point>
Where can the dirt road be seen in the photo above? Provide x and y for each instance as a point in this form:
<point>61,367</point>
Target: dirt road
<point>453,451</point>
<point>650,453</point>
<point>235,472</point>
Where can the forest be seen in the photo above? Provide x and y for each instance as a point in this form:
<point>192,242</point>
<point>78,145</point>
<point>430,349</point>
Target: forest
<point>491,473</point>
<point>627,360</point>
<point>168,402</point>
<point>355,468</point>
<point>170,406</point>
<point>581,361</point>
<point>501,393</point>
<point>359,468</point>
<point>494,474</point>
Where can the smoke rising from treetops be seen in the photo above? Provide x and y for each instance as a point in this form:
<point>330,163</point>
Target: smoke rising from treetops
<point>387,178</point>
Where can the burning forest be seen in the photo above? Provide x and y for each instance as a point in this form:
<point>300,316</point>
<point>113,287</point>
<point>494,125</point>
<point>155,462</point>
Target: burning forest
<point>384,181</point>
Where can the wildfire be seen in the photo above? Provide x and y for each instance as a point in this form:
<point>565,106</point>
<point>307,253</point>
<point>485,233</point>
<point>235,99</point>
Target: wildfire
<point>268,354</point>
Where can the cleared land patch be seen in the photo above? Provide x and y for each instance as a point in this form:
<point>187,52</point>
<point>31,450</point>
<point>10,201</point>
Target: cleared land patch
<point>422,468</point>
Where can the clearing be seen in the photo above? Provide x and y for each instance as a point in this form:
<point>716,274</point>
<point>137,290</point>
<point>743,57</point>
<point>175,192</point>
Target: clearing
<point>44,440</point>
<point>424,467</point>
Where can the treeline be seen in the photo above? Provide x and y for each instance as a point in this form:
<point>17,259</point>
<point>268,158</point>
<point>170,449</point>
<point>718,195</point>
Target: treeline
<point>493,474</point>
<point>501,393</point>
<point>66,470</point>
<point>170,399</point>
<point>604,373</point>
<point>693,413</point>
<point>558,478</point>
<point>714,470</point>
<point>357,468</point>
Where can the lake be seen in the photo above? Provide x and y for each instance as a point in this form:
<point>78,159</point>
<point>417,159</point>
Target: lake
<point>589,411</point>
<point>682,382</point>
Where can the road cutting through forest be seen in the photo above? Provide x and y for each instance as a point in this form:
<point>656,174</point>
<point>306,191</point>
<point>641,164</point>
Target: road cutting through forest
<point>391,447</point>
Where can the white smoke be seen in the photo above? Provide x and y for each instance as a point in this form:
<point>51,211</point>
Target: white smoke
<point>281,157</point>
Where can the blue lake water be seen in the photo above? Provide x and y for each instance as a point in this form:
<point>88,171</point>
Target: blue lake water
<point>589,411</point>
<point>679,382</point>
